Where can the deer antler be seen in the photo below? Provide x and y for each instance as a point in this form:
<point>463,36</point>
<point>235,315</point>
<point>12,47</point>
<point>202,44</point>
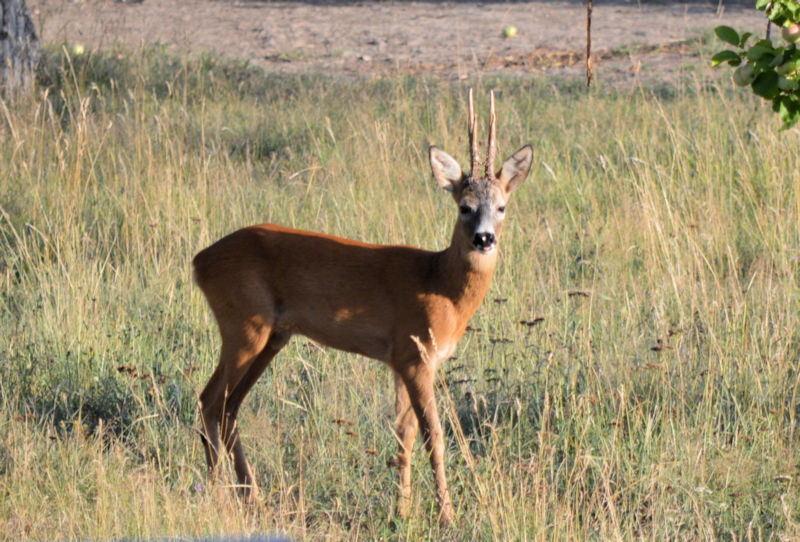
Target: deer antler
<point>492,152</point>
<point>473,141</point>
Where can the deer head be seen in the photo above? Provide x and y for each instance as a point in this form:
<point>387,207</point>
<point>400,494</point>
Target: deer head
<point>481,198</point>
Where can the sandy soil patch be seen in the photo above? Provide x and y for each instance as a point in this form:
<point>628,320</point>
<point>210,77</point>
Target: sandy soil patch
<point>631,41</point>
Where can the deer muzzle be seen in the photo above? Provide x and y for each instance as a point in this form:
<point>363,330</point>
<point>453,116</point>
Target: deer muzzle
<point>484,241</point>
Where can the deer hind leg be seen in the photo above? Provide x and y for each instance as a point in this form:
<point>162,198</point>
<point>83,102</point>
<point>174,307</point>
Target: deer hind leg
<point>419,381</point>
<point>233,442</point>
<point>407,426</point>
<point>241,347</point>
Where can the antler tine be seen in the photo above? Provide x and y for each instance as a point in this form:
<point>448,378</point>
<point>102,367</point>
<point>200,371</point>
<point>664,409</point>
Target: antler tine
<point>473,141</point>
<point>492,152</point>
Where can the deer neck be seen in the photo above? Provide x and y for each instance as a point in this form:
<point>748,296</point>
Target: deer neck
<point>465,273</point>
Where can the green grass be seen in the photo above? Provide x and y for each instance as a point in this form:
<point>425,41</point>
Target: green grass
<point>656,244</point>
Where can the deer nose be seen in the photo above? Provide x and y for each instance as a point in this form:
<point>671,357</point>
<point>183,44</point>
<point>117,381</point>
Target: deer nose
<point>484,241</point>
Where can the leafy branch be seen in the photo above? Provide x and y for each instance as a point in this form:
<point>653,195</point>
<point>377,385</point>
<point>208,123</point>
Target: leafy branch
<point>773,72</point>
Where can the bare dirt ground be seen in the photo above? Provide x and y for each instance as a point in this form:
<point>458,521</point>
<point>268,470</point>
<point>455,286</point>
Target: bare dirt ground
<point>631,41</point>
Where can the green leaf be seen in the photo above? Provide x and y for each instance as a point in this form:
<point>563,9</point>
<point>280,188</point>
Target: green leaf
<point>787,85</point>
<point>743,38</point>
<point>730,57</point>
<point>766,85</point>
<point>792,11</point>
<point>760,50</point>
<point>779,20</point>
<point>756,52</point>
<point>789,111</point>
<point>778,59</point>
<point>727,34</point>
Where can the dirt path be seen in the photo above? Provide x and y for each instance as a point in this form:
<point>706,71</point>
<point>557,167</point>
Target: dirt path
<point>452,40</point>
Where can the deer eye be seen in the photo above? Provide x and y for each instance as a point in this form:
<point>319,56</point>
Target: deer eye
<point>501,209</point>
<point>465,209</point>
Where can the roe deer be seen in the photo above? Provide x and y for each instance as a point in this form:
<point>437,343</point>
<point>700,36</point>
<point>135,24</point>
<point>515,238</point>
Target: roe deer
<point>404,306</point>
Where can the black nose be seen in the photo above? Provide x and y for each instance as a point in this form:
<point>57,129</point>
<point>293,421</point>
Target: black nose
<point>484,241</point>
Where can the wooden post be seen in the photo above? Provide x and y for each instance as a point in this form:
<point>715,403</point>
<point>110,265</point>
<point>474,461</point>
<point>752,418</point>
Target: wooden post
<point>589,43</point>
<point>20,49</point>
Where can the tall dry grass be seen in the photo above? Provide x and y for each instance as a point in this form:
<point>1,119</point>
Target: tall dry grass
<point>632,372</point>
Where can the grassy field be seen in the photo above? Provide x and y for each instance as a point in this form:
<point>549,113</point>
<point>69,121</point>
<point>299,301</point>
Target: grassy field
<point>632,373</point>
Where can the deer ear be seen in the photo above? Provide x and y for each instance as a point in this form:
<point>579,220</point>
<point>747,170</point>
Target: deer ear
<point>516,168</point>
<point>446,170</point>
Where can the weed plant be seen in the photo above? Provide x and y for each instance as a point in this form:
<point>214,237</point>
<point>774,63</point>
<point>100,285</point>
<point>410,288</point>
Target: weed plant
<point>633,372</point>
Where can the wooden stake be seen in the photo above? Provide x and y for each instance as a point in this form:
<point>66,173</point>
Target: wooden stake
<point>589,43</point>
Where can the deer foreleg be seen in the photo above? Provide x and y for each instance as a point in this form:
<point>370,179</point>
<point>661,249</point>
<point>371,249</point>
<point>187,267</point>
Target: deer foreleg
<point>419,381</point>
<point>407,426</point>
